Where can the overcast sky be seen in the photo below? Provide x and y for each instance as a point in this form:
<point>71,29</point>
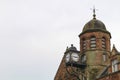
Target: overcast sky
<point>35,33</point>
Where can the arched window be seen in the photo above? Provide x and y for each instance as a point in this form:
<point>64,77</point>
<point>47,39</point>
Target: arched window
<point>103,43</point>
<point>93,42</point>
<point>84,44</point>
<point>104,57</point>
<point>114,65</point>
<point>83,58</point>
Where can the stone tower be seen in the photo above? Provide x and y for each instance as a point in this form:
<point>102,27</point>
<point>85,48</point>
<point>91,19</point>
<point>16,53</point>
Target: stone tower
<point>94,51</point>
<point>94,47</point>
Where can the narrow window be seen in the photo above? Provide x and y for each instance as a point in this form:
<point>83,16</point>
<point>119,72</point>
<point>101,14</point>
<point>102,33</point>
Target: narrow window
<point>103,43</point>
<point>84,44</point>
<point>83,59</point>
<point>104,57</point>
<point>114,65</point>
<point>92,42</point>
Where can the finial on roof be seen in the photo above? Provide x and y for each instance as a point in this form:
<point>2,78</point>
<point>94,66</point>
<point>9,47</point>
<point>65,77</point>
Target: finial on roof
<point>94,15</point>
<point>67,48</point>
<point>113,45</point>
<point>114,48</point>
<point>71,45</point>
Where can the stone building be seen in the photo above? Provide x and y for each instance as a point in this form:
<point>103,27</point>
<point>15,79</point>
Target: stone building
<point>102,63</point>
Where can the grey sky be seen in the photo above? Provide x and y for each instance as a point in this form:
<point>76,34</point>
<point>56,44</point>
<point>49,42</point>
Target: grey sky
<point>35,33</point>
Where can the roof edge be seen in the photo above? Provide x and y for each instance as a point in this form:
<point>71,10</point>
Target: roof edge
<point>95,30</point>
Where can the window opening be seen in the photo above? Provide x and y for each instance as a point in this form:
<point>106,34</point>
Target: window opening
<point>114,65</point>
<point>103,43</point>
<point>92,42</point>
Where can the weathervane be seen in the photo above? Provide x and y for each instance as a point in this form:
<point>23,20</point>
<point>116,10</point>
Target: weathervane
<point>94,15</point>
